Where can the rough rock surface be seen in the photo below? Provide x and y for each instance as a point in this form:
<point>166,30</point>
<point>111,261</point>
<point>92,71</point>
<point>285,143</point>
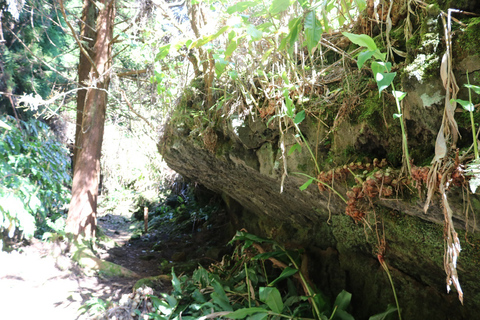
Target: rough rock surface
<point>241,158</point>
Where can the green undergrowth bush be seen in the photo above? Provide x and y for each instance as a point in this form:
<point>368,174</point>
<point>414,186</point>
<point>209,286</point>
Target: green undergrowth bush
<point>183,213</point>
<point>34,174</point>
<point>260,280</point>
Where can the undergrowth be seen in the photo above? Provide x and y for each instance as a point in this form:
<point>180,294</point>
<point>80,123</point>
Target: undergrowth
<point>260,280</point>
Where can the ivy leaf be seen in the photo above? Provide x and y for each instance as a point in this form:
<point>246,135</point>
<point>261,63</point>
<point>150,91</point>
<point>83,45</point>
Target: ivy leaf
<point>362,40</point>
<point>279,6</point>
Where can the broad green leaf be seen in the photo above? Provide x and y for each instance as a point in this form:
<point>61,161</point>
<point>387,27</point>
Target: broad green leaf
<point>313,30</point>
<point>4,125</point>
<point>472,87</point>
<point>292,36</point>
<point>267,54</point>
<point>379,55</point>
<point>172,302</point>
<point>271,296</point>
<point>397,115</point>
<point>198,296</point>
<point>399,95</point>
<point>279,6</point>
<point>467,105</point>
<point>233,74</point>
<point>361,5</point>
<point>342,315</point>
<point>343,300</point>
<point>163,52</point>
<point>288,103</point>
<point>383,315</point>
<point>241,6</point>
<point>176,282</point>
<point>379,66</point>
<point>285,78</point>
<point>287,272</point>
<point>230,49</point>
<point>264,26</point>
<point>306,184</point>
<point>362,40</point>
<point>474,183</point>
<point>362,57</point>
<point>242,313</point>
<point>220,64</point>
<point>304,3</point>
<point>204,40</point>
<point>299,117</point>
<point>268,255</point>
<point>254,33</point>
<point>258,316</point>
<point>242,236</point>
<point>219,297</point>
<point>296,146</point>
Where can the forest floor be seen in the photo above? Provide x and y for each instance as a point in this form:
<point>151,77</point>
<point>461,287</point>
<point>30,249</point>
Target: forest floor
<point>38,280</point>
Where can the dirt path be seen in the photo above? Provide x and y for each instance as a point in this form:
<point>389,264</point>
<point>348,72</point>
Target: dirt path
<point>36,285</point>
<point>40,281</point>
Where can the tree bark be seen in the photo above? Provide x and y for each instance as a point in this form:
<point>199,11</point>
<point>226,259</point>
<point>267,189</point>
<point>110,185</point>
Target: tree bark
<point>87,35</point>
<point>82,215</point>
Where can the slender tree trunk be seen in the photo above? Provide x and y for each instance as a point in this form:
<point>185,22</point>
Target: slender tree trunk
<point>82,215</point>
<point>87,35</point>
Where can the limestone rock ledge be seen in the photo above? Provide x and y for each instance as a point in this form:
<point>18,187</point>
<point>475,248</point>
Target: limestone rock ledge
<point>244,164</point>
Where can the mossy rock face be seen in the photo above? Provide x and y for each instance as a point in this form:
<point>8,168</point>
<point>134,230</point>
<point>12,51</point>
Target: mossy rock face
<point>86,259</point>
<point>358,125</point>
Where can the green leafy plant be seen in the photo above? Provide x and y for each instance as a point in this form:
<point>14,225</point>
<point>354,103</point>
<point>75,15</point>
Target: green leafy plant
<point>35,173</point>
<point>94,307</point>
<point>473,168</point>
<point>382,72</point>
<point>246,286</point>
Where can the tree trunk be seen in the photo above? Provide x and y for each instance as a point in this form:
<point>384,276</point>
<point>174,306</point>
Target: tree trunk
<point>87,36</point>
<point>82,220</point>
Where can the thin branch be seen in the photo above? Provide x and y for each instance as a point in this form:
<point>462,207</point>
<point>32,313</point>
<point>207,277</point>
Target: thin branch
<point>130,73</point>
<point>82,49</point>
<point>35,56</point>
<point>136,113</point>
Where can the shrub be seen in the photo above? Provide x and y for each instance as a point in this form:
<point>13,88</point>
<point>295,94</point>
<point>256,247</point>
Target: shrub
<point>34,175</point>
